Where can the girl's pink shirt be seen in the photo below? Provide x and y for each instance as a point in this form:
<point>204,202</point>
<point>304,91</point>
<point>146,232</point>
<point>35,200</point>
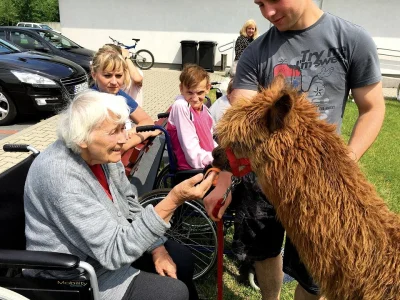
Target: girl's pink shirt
<point>191,135</point>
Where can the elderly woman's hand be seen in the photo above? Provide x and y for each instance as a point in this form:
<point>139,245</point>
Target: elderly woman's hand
<point>190,189</point>
<point>163,262</point>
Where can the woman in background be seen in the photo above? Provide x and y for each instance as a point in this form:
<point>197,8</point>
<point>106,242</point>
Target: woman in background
<point>248,33</point>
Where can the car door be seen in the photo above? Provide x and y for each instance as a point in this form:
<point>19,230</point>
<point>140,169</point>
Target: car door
<point>28,41</point>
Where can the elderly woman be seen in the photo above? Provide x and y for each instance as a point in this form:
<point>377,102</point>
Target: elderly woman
<point>78,201</point>
<point>111,74</point>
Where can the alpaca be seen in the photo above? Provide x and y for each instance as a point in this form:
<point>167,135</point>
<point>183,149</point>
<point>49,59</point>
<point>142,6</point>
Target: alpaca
<point>344,233</point>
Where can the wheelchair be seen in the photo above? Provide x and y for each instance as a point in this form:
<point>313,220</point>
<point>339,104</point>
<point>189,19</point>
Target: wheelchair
<point>190,224</point>
<point>14,257</point>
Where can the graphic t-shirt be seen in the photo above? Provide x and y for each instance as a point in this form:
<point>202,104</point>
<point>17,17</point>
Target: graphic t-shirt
<point>325,61</point>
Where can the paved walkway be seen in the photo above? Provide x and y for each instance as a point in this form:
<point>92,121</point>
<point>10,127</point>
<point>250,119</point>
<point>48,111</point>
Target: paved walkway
<point>160,87</point>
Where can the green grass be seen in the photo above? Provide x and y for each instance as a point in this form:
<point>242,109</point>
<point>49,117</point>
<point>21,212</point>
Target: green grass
<point>381,165</point>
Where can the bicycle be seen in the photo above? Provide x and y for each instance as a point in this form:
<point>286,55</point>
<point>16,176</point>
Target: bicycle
<point>143,58</point>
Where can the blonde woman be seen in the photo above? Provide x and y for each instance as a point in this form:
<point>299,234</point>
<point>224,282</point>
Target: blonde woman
<point>134,88</point>
<point>248,33</point>
<point>110,73</point>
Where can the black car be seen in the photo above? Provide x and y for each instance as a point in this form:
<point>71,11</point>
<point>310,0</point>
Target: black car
<point>33,81</point>
<point>47,41</point>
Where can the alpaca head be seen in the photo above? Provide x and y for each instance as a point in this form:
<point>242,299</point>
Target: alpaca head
<point>277,123</point>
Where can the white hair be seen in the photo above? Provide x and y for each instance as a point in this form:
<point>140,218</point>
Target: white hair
<point>87,111</point>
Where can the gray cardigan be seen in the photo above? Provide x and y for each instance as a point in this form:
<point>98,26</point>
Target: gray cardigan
<point>68,211</point>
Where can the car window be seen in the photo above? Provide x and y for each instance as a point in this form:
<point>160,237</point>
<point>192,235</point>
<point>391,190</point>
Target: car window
<point>25,40</point>
<point>46,27</point>
<point>27,25</point>
<point>57,40</point>
<point>7,48</point>
<point>20,24</point>
<point>2,34</point>
<point>36,26</point>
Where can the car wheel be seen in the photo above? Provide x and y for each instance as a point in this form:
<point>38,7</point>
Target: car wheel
<point>8,111</point>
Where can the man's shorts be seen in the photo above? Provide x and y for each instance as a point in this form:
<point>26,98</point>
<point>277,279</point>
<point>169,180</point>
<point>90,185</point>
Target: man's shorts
<point>259,235</point>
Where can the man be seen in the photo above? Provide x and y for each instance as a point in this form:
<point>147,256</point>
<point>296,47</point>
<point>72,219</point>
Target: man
<point>324,56</point>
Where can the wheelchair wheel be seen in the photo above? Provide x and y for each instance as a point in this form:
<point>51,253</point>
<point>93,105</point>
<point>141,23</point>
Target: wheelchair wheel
<point>191,227</point>
<point>10,295</point>
<point>163,181</point>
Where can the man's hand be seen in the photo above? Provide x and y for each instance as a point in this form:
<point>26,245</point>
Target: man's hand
<point>163,262</point>
<point>224,181</point>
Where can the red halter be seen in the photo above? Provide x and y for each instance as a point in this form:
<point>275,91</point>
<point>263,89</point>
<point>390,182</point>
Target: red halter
<point>240,167</point>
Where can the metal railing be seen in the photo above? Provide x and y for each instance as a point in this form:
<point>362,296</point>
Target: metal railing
<point>228,46</point>
<point>390,63</point>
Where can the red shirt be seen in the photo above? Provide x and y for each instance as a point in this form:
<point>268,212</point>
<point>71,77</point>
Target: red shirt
<point>101,177</point>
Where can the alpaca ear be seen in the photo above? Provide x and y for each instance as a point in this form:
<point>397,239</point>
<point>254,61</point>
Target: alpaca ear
<point>277,113</point>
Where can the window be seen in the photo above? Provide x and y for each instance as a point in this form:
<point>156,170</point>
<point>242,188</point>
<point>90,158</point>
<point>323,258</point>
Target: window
<point>46,27</point>
<point>36,26</point>
<point>57,40</point>
<point>24,40</point>
<point>2,34</point>
<point>6,48</point>
<point>27,25</point>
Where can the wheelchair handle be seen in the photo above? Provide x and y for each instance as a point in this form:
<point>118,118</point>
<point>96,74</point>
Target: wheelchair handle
<point>16,148</point>
<point>20,148</point>
<point>145,128</point>
<point>163,115</point>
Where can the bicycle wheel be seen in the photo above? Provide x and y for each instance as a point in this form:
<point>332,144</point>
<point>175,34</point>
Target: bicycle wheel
<point>144,59</point>
<point>6,294</point>
<point>163,180</point>
<point>191,227</point>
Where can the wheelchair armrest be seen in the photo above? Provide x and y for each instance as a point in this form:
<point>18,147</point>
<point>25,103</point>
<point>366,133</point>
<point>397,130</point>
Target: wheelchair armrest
<point>182,175</point>
<point>189,172</point>
<point>38,260</point>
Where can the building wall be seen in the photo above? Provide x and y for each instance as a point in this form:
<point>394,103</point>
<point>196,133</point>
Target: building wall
<point>380,19</point>
<point>161,25</point>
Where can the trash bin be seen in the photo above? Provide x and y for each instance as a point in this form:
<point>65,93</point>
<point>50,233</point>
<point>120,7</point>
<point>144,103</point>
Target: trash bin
<point>189,52</point>
<point>207,55</point>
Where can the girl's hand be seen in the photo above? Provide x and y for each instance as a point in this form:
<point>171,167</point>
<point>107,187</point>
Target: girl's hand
<point>131,132</point>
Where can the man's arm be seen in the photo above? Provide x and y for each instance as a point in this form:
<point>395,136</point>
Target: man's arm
<point>225,177</point>
<point>371,110</point>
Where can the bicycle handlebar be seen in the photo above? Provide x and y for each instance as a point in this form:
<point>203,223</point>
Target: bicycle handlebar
<point>118,43</point>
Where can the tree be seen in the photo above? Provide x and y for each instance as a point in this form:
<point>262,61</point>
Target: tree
<point>14,11</point>
<point>8,12</point>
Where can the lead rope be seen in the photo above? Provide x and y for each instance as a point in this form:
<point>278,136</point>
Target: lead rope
<point>220,238</point>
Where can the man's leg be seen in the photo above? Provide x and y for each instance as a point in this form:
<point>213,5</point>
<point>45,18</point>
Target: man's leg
<point>306,288</point>
<point>258,236</point>
<point>269,276</point>
<point>301,294</point>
